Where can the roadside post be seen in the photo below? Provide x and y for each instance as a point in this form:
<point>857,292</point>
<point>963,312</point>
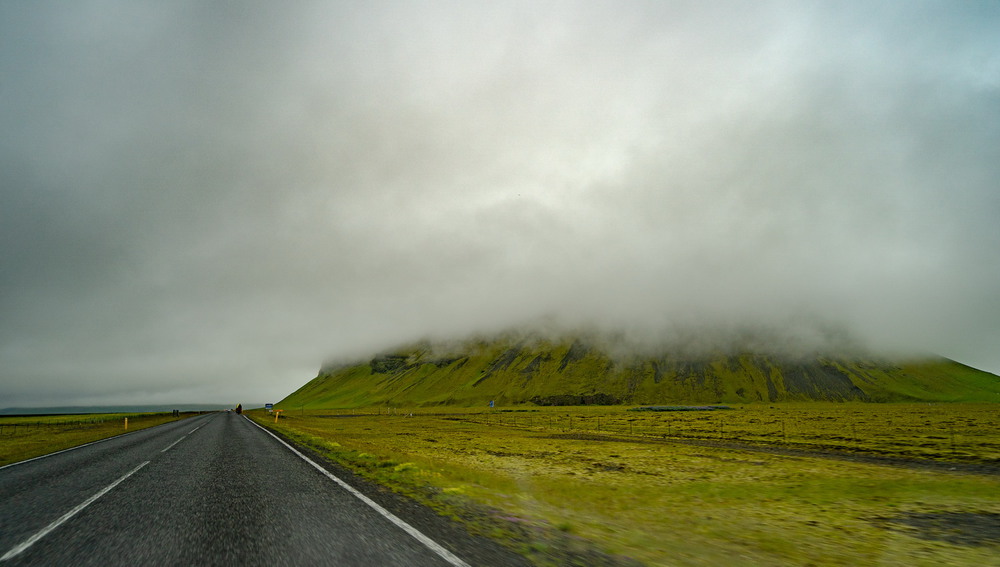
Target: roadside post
<point>277,414</point>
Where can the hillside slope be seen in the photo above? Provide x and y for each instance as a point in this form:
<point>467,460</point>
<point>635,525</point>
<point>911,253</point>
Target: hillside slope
<point>573,373</point>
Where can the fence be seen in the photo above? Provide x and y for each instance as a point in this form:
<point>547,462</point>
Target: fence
<point>18,426</point>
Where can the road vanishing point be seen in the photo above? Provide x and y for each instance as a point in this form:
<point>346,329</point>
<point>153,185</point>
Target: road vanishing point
<point>211,490</point>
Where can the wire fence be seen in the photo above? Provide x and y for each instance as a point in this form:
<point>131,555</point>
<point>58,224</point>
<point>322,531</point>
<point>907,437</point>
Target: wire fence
<point>20,426</point>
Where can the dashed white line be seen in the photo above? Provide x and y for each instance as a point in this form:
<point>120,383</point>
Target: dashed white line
<point>167,448</point>
<point>428,542</point>
<point>18,549</point>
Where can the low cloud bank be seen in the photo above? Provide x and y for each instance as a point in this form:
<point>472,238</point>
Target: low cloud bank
<point>203,199</point>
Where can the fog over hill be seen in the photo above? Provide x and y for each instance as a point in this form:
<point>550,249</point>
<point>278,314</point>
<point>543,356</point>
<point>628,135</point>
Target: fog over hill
<point>528,368</point>
<point>203,201</point>
<point>794,341</point>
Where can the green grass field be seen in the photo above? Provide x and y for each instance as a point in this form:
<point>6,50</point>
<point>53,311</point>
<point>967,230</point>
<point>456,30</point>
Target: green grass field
<point>957,432</point>
<point>25,437</point>
<point>631,484</point>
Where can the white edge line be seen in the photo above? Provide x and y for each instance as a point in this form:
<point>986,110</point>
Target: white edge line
<point>62,519</point>
<point>168,447</point>
<point>81,446</point>
<point>428,542</point>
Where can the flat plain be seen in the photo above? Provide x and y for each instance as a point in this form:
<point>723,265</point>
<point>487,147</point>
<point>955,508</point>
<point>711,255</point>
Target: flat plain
<point>25,437</point>
<point>780,484</point>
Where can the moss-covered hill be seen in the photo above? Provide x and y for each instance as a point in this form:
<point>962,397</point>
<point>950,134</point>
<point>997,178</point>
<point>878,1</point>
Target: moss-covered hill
<point>573,373</point>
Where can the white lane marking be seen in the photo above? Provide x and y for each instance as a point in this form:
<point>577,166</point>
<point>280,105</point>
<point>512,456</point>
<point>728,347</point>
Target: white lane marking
<point>62,519</point>
<point>172,444</point>
<point>193,430</point>
<point>87,445</point>
<point>428,542</point>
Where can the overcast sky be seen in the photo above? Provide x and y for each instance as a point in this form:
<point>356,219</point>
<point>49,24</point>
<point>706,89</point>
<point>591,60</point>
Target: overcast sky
<point>203,201</point>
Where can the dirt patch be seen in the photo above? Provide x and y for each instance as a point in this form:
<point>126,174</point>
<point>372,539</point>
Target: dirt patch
<point>545,544</point>
<point>956,528</point>
<point>991,468</point>
<point>594,437</point>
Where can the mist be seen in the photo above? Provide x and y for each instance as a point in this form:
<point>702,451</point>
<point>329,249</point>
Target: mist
<point>204,202</point>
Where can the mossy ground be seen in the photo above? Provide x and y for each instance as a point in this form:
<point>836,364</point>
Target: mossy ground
<point>660,502</point>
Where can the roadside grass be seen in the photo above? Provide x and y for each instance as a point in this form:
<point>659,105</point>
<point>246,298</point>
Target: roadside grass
<point>526,477</point>
<point>26,437</point>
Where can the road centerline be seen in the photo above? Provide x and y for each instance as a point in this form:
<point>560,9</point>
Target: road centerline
<point>168,447</point>
<point>21,547</point>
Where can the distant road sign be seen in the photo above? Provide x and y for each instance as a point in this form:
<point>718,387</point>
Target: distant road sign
<point>268,406</point>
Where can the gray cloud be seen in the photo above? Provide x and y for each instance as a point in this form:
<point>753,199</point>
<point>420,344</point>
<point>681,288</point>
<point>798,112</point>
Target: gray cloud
<point>205,201</point>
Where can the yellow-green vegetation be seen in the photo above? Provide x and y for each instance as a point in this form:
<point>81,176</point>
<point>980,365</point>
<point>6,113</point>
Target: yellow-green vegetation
<point>949,432</point>
<point>24,437</point>
<point>609,476</point>
<point>576,372</point>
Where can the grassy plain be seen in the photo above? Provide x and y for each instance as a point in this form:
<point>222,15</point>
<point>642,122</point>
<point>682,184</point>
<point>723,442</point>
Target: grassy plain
<point>634,485</point>
<point>25,437</point>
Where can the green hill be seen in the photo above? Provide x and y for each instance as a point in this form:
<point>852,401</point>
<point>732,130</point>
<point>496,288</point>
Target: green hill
<point>573,372</point>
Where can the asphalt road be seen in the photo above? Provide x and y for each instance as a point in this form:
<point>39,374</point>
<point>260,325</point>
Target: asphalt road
<point>212,490</point>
